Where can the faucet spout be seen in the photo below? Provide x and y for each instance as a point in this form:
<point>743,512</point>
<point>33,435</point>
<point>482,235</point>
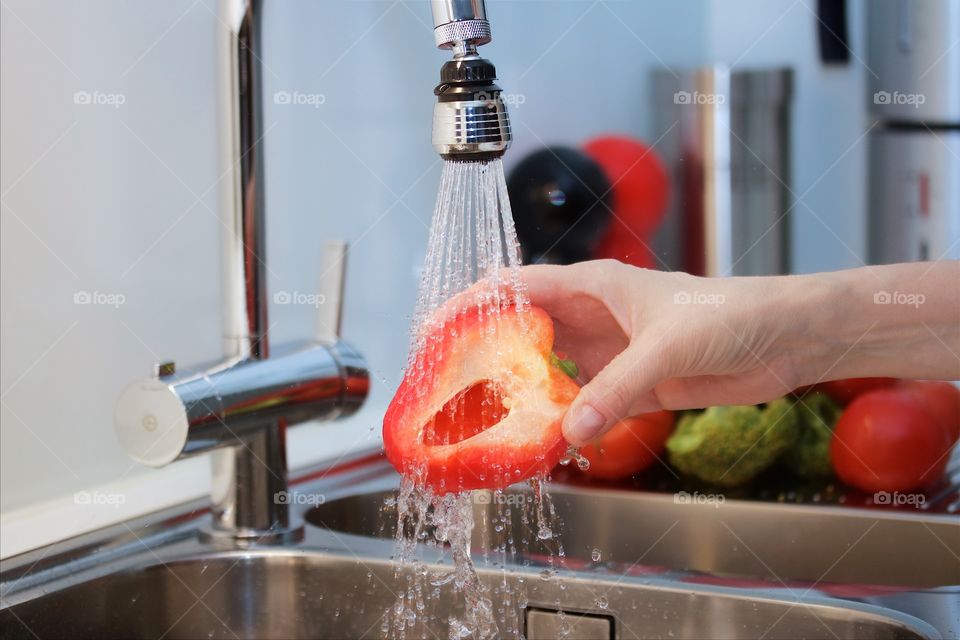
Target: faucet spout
<point>470,119</point>
<point>245,304</point>
<point>459,24</point>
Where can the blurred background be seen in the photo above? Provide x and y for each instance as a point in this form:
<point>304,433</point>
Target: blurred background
<point>111,229</point>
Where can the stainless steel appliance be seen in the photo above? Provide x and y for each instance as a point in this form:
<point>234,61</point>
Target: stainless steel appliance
<point>914,95</point>
<point>727,148</point>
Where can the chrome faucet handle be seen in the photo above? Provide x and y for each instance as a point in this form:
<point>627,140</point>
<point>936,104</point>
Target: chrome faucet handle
<point>235,409</point>
<point>333,275</point>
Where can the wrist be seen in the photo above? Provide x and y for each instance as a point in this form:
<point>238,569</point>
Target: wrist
<point>892,321</point>
<point>804,316</point>
<point>830,325</point>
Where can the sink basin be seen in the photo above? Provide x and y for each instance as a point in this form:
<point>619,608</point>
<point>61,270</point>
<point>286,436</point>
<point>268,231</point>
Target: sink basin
<point>770,541</point>
<point>297,594</point>
<point>666,570</point>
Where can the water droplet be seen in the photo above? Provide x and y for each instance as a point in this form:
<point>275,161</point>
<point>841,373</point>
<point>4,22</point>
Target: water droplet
<point>472,237</point>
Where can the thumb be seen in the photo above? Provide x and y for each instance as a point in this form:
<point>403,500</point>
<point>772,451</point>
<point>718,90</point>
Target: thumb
<point>622,388</point>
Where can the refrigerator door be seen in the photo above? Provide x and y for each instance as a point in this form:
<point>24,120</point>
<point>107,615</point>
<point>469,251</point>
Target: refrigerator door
<point>914,60</point>
<point>728,150</point>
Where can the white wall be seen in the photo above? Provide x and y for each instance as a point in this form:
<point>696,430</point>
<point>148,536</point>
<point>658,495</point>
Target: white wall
<point>122,200</point>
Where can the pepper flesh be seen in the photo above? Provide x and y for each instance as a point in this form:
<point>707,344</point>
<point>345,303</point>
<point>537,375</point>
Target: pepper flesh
<point>482,403</point>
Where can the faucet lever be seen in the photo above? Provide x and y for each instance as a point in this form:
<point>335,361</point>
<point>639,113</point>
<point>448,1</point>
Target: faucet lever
<point>333,274</point>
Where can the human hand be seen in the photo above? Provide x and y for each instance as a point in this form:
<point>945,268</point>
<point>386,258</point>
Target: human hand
<point>650,340</point>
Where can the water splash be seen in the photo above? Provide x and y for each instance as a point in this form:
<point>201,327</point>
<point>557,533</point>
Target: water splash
<point>472,239</point>
<point>441,542</point>
<point>472,262</point>
<point>573,454</point>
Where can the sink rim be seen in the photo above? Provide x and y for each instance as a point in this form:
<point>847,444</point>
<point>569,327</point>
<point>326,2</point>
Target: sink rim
<point>171,533</point>
<point>812,600</point>
<point>316,517</point>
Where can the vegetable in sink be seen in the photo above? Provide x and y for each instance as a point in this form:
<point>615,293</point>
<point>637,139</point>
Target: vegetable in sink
<point>809,457</point>
<point>729,446</point>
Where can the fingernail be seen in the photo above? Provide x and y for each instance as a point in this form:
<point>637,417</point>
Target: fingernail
<point>584,424</point>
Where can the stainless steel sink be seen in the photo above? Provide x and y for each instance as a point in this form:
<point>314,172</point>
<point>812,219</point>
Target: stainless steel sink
<point>157,577</point>
<point>769,541</point>
<point>269,594</point>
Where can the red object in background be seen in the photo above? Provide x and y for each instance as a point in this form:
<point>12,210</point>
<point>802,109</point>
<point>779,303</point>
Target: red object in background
<point>843,392</point>
<point>886,440</point>
<point>641,189</point>
<point>632,445</point>
<point>458,423</point>
<point>941,399</point>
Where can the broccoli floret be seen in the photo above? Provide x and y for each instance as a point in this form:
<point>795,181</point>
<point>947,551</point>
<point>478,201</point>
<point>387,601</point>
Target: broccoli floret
<point>810,456</point>
<point>729,446</point>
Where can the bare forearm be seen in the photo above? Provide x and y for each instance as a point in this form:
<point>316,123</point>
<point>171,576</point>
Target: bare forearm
<point>648,340</point>
<point>899,320</point>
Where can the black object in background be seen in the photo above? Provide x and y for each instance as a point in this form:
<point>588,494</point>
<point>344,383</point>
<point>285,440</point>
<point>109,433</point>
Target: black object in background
<point>561,204</point>
<point>832,31</point>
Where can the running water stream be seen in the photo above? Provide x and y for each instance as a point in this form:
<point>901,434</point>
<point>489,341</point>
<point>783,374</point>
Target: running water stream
<point>472,245</point>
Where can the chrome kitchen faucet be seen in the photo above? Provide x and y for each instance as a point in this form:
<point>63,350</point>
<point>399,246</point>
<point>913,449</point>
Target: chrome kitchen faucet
<point>238,409</point>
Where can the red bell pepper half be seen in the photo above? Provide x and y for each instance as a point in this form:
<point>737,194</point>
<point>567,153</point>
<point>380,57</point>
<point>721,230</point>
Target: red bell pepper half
<point>481,404</point>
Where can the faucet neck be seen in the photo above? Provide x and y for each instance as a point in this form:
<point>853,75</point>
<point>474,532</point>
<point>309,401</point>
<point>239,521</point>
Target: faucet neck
<point>244,251</point>
<point>256,467</point>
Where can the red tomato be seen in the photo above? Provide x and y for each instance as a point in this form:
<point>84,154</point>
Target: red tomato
<point>630,446</point>
<point>941,399</point>
<point>887,441</point>
<point>844,391</point>
<point>481,405</point>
